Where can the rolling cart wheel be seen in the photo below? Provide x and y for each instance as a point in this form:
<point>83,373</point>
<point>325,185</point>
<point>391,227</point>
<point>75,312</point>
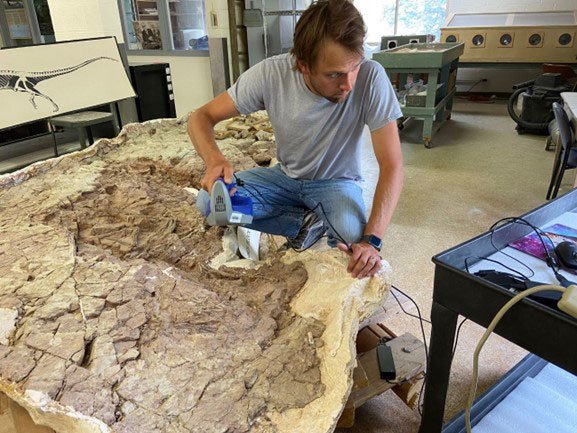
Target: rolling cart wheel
<point>401,126</point>
<point>427,143</point>
<point>448,116</point>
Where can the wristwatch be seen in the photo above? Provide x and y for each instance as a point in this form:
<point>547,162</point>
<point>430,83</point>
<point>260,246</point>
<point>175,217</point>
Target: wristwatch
<point>373,241</point>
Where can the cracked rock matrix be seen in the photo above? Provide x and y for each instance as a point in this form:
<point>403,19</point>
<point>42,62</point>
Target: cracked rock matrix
<point>110,312</point>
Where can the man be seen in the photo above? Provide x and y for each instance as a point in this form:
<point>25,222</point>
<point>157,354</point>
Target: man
<point>318,98</point>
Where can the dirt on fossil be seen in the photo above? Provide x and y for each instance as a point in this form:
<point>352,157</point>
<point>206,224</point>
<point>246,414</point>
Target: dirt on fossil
<point>114,310</point>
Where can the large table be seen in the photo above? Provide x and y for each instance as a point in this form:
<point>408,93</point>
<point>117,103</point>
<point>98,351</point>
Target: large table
<point>537,328</point>
<point>570,101</point>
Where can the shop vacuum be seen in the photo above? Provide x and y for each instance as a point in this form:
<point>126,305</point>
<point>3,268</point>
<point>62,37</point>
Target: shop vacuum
<point>534,99</point>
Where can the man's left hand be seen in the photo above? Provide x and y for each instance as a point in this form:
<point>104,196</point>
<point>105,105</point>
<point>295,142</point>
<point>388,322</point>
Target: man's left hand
<point>365,260</point>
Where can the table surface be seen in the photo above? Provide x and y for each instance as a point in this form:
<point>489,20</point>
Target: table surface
<point>539,329</point>
<point>570,100</point>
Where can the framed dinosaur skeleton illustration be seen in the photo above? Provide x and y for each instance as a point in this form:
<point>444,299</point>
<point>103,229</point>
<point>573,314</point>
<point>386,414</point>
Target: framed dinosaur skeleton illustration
<point>42,81</point>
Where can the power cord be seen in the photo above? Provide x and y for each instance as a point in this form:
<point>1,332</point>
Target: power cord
<point>492,230</point>
<point>421,320</point>
<point>551,262</point>
<point>568,304</point>
<point>500,264</point>
<point>457,338</point>
<point>406,312</point>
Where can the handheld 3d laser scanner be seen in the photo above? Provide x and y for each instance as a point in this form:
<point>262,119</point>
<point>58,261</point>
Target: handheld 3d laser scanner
<point>220,209</point>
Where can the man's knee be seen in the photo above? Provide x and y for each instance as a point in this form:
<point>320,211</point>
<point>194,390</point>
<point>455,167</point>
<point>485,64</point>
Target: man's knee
<point>346,230</point>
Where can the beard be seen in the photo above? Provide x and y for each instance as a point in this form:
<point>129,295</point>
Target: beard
<point>337,98</point>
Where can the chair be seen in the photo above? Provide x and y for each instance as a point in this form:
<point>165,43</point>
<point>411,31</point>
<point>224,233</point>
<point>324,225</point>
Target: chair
<point>82,121</point>
<point>566,153</point>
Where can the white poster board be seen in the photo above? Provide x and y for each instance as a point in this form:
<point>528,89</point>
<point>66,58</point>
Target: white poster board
<point>42,81</point>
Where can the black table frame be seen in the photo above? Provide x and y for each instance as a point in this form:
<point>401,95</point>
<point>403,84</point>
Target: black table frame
<point>546,332</point>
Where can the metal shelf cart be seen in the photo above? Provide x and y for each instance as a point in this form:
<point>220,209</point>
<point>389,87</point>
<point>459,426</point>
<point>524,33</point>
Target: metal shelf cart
<point>440,62</point>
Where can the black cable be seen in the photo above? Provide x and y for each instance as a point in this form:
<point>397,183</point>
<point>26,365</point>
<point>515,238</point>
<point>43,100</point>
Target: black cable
<point>457,339</point>
<point>421,319</point>
<point>264,202</point>
<point>500,264</point>
<point>406,312</point>
<point>540,234</point>
<point>420,410</point>
<point>492,230</point>
<point>419,404</point>
<point>474,85</point>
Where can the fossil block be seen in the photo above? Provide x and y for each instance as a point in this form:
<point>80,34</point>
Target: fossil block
<point>112,318</point>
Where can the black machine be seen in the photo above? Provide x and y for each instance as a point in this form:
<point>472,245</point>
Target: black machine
<point>153,85</point>
<point>537,98</point>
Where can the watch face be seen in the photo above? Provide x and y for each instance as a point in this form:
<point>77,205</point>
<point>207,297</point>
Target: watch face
<point>373,241</point>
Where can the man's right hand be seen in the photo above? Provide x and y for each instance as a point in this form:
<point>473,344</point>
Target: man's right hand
<point>220,168</point>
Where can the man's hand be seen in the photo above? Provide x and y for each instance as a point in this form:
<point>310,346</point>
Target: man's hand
<point>365,260</point>
<point>220,168</point>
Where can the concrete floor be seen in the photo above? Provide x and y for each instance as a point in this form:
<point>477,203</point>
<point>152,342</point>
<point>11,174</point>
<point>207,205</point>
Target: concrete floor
<point>479,171</point>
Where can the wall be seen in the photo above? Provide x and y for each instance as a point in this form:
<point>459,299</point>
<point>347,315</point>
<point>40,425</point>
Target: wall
<point>475,6</point>
<point>77,19</point>
<point>502,80</point>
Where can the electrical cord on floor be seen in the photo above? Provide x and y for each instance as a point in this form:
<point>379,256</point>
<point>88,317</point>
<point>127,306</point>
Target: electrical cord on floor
<point>406,312</point>
<point>421,320</point>
<point>488,331</point>
<point>474,85</point>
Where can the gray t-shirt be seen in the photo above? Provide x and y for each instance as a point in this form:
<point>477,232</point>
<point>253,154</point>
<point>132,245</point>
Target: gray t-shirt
<point>316,138</point>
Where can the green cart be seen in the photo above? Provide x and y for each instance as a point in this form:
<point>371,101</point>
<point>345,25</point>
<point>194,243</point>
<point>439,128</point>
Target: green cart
<point>439,61</point>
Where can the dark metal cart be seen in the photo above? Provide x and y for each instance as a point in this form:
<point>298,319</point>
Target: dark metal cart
<point>546,332</point>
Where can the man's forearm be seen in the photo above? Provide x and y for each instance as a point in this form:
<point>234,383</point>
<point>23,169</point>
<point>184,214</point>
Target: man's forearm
<point>201,127</point>
<point>385,201</point>
<point>201,132</point>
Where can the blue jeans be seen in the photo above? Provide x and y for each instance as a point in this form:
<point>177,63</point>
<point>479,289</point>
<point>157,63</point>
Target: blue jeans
<point>281,202</point>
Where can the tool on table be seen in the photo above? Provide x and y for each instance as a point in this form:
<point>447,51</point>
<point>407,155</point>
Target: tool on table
<point>220,209</point>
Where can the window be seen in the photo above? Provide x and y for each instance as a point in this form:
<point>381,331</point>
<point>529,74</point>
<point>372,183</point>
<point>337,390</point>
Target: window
<point>25,22</point>
<point>18,23</point>
<point>164,25</point>
<point>187,24</point>
<point>402,17</point>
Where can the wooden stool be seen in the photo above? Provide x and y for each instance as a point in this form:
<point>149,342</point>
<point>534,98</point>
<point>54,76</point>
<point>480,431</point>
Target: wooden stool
<point>82,122</point>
